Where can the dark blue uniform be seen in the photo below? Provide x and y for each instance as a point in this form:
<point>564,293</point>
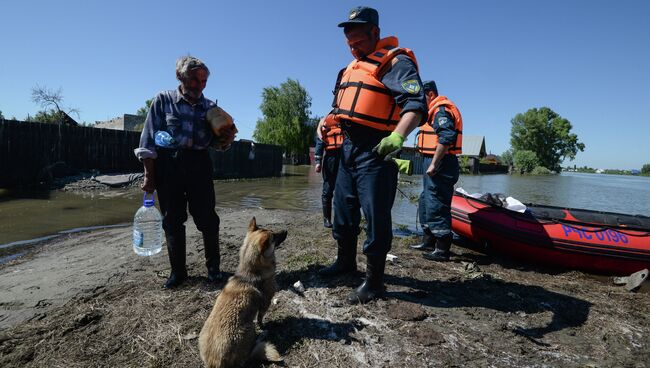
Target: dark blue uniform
<point>365,181</point>
<point>329,161</point>
<point>434,207</point>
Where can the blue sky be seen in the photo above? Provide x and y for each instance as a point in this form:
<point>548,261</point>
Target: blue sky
<point>588,60</point>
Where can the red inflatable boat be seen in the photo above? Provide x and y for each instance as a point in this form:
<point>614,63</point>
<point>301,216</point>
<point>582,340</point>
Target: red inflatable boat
<point>604,242</point>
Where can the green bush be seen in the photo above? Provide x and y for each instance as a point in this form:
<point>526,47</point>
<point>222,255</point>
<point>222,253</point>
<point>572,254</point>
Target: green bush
<point>541,170</point>
<point>525,160</point>
<point>463,162</point>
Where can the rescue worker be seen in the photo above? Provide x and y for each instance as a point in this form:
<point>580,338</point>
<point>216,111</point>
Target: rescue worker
<point>327,157</point>
<point>439,141</point>
<point>378,102</point>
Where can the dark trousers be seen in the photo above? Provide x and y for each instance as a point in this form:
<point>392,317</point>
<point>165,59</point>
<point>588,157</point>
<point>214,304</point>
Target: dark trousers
<point>434,206</point>
<point>184,180</point>
<point>364,182</point>
<point>329,169</point>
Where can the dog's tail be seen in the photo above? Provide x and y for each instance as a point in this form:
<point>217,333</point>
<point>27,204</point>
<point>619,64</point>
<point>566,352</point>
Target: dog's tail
<point>264,351</point>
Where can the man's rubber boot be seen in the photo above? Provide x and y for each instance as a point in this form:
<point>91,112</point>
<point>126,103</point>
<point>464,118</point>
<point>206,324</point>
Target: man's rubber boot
<point>212,256</point>
<point>373,286</point>
<point>442,253</point>
<point>176,252</point>
<point>346,260</point>
<point>327,214</point>
<point>428,242</point>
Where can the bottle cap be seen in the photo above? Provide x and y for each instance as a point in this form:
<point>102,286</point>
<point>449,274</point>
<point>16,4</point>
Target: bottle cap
<point>148,202</point>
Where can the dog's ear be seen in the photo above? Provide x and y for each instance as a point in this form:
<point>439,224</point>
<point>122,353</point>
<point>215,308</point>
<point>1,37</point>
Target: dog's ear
<point>252,226</point>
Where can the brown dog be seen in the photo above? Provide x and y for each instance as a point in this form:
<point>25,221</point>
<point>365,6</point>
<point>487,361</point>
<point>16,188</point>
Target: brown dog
<point>228,336</point>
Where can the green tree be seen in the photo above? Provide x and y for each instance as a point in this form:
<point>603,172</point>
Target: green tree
<point>547,134</point>
<point>506,158</point>
<point>645,169</point>
<point>44,116</point>
<point>286,119</point>
<point>1,116</point>
<point>144,110</point>
<point>525,160</point>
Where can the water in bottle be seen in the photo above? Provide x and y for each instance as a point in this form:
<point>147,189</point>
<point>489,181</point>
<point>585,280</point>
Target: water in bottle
<point>147,229</point>
<point>163,139</point>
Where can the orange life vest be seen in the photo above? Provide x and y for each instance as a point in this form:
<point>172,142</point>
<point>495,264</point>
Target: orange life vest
<point>360,96</point>
<point>333,139</point>
<point>427,139</point>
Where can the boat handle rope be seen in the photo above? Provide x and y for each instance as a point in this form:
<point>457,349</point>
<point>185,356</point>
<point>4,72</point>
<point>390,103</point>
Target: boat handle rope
<point>566,222</point>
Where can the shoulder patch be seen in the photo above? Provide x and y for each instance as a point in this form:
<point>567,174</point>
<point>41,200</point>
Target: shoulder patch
<point>411,86</point>
<point>442,121</point>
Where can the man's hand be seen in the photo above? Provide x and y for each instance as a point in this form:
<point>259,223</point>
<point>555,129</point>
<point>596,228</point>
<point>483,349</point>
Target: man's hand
<point>149,184</point>
<point>227,137</point>
<point>230,137</point>
<point>389,145</point>
<point>433,168</point>
<point>317,168</point>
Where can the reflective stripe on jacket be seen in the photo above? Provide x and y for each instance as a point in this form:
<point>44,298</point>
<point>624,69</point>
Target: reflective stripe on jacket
<point>427,139</point>
<point>360,96</point>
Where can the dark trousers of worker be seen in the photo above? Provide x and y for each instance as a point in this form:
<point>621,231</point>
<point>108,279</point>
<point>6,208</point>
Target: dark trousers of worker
<point>364,182</point>
<point>184,181</point>
<point>434,206</point>
<point>329,169</point>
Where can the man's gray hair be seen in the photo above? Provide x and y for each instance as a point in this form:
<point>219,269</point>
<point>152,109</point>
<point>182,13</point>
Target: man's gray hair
<point>188,63</point>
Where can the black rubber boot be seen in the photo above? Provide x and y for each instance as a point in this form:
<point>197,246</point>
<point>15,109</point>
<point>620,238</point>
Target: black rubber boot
<point>176,252</point>
<point>428,242</point>
<point>327,213</point>
<point>442,253</point>
<point>212,256</point>
<point>373,286</point>
<point>346,260</point>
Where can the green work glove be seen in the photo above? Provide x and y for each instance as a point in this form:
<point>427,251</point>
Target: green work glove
<point>390,145</point>
<point>404,166</point>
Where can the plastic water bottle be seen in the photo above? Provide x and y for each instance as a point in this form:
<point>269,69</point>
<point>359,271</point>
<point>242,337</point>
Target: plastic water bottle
<point>163,139</point>
<point>147,229</point>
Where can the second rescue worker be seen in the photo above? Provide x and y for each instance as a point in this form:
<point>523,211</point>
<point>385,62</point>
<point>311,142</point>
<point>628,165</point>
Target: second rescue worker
<point>439,141</point>
<point>378,102</point>
<point>327,157</point>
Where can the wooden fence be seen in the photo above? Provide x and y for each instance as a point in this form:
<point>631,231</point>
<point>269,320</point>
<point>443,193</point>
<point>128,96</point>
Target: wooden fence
<point>28,149</point>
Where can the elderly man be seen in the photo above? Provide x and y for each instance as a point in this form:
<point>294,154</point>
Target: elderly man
<point>378,102</point>
<point>173,148</point>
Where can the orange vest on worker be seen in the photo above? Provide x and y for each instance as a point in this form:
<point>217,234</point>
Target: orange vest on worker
<point>427,139</point>
<point>333,138</point>
<point>361,98</point>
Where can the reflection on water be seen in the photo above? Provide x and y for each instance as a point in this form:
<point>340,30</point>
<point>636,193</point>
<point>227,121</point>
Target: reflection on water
<point>298,189</point>
<point>39,214</point>
<point>48,213</point>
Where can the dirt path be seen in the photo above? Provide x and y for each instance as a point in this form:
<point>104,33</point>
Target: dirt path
<point>87,301</point>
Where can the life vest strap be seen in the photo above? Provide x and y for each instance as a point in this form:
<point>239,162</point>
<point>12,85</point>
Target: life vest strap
<point>366,86</point>
<point>373,119</point>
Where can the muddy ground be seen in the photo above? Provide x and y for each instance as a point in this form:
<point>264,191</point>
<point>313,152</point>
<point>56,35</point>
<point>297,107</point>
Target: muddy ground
<point>87,300</point>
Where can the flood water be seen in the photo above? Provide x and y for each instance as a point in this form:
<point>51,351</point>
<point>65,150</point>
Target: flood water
<point>46,214</point>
